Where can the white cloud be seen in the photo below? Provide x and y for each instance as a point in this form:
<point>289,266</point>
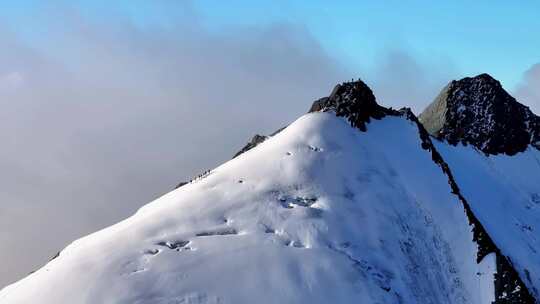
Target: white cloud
<point>528,91</point>
<point>107,116</point>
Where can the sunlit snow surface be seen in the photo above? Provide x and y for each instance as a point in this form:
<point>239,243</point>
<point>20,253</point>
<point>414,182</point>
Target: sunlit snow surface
<point>319,213</point>
<point>504,194</point>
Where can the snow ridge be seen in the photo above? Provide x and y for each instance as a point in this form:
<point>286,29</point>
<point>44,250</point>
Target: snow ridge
<point>356,102</point>
<point>509,288</point>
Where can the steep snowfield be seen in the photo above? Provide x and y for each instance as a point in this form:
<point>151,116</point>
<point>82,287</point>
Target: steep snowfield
<point>504,194</point>
<point>319,213</point>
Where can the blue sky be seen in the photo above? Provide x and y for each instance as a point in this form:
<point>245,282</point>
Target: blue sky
<point>497,37</point>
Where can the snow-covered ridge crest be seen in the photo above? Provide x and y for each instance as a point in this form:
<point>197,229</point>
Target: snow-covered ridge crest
<point>322,212</point>
<point>508,287</point>
<point>353,100</point>
<point>478,111</point>
<point>356,102</point>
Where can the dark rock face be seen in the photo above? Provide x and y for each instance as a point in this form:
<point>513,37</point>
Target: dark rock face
<point>257,139</point>
<point>180,184</point>
<point>353,100</point>
<point>478,111</point>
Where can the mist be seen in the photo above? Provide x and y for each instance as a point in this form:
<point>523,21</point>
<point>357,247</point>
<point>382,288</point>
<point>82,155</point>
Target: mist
<point>112,116</point>
<point>528,91</point>
<point>100,117</point>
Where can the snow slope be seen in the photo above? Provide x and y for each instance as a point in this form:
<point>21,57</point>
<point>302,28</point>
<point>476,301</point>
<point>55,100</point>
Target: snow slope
<point>319,213</point>
<point>504,193</point>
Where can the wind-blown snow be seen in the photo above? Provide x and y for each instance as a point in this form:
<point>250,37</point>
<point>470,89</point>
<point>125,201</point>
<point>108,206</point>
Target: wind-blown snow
<point>504,194</point>
<point>319,213</point>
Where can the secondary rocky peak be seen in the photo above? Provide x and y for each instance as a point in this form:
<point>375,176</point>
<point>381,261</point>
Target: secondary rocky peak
<point>353,100</point>
<point>255,141</point>
<point>478,111</point>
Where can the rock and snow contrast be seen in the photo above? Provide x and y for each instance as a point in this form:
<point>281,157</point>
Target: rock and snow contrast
<point>491,142</point>
<point>350,203</point>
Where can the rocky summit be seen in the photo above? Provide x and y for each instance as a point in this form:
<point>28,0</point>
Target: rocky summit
<point>478,111</point>
<point>353,100</point>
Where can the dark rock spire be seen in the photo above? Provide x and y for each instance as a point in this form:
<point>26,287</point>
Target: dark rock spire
<point>478,111</point>
<point>353,100</point>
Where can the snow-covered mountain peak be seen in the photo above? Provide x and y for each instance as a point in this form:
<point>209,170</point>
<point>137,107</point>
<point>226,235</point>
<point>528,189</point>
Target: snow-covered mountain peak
<point>318,213</point>
<point>354,203</point>
<point>478,111</point>
<point>353,100</point>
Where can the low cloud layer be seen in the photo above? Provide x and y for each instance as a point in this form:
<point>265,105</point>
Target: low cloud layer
<point>528,91</point>
<point>99,118</point>
<point>106,117</point>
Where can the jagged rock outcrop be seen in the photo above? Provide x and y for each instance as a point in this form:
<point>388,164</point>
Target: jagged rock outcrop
<point>478,111</point>
<point>257,139</point>
<point>353,100</point>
